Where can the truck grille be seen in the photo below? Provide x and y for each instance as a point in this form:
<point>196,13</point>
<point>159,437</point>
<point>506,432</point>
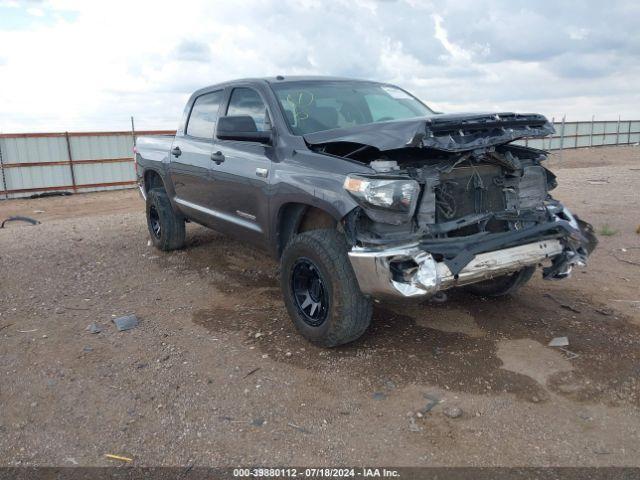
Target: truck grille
<point>467,190</point>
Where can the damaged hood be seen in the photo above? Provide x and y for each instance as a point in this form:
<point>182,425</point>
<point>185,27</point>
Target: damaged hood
<point>447,132</point>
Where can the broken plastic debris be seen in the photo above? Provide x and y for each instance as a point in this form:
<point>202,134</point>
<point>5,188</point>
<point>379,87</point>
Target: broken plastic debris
<point>251,372</point>
<point>93,328</point>
<point>126,323</point>
<point>559,342</point>
<point>19,218</point>
<point>433,401</point>
<point>570,355</point>
<point>118,457</point>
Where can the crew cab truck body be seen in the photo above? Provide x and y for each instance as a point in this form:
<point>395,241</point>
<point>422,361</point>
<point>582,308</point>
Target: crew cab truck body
<point>361,192</point>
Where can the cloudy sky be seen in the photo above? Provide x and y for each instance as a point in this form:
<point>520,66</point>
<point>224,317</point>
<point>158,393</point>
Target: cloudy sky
<point>89,65</point>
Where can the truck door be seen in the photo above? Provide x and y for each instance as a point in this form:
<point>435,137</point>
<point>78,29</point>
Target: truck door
<point>190,158</point>
<point>241,172</point>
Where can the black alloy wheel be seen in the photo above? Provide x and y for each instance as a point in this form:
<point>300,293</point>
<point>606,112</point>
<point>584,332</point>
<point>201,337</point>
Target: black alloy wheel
<point>154,221</point>
<point>309,292</point>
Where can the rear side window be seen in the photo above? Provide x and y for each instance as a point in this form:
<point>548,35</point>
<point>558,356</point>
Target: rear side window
<point>202,121</point>
<point>246,101</point>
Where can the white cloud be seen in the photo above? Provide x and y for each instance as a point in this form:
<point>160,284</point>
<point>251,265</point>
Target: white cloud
<point>36,12</point>
<point>90,64</point>
<point>456,52</point>
<point>576,33</point>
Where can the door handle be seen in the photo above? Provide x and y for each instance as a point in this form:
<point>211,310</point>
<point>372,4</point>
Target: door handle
<point>217,157</point>
<point>176,152</point>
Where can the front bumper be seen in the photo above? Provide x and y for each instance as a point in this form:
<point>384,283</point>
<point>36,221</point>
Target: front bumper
<point>425,268</point>
<point>424,276</point>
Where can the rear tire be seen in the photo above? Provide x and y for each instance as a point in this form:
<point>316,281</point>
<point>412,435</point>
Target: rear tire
<point>500,286</point>
<point>166,226</point>
<point>321,291</point>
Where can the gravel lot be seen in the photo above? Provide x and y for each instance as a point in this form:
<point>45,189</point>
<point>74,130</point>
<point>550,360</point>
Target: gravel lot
<point>216,375</point>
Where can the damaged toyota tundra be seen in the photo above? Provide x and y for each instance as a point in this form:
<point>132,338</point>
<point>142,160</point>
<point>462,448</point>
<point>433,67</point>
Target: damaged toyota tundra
<point>362,193</point>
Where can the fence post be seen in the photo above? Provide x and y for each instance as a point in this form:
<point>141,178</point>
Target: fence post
<point>629,134</point>
<point>133,131</point>
<point>4,180</point>
<point>562,136</point>
<point>553,122</point>
<point>593,117</point>
<point>73,174</point>
<point>618,131</point>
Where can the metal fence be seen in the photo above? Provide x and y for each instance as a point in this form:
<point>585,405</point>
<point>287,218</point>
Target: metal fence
<point>588,134</point>
<point>37,163</point>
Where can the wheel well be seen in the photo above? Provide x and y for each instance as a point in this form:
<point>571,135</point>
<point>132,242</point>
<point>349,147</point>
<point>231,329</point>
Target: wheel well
<point>152,179</point>
<point>316,219</point>
<point>296,218</point>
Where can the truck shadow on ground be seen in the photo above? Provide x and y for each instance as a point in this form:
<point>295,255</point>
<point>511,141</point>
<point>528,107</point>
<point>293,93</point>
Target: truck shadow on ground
<point>455,345</point>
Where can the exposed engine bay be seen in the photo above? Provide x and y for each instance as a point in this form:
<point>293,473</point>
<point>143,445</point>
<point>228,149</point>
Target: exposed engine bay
<point>459,191</point>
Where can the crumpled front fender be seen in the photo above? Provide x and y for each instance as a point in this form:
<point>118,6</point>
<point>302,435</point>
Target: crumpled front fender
<point>579,244</point>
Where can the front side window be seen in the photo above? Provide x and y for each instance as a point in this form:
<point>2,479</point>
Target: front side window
<point>314,106</point>
<point>204,114</point>
<point>246,101</point>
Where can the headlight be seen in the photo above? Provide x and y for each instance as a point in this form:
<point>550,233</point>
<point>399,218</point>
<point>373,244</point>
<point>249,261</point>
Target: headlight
<point>385,200</point>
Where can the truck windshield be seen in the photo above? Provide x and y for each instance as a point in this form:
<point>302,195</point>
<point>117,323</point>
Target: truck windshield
<point>314,106</point>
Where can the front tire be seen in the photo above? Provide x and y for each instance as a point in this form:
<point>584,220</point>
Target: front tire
<point>166,226</point>
<point>321,291</point>
<point>501,286</point>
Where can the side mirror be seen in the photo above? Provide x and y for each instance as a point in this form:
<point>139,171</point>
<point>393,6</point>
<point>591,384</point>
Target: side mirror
<point>242,128</point>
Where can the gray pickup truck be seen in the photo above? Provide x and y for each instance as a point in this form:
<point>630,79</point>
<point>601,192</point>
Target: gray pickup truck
<point>361,192</point>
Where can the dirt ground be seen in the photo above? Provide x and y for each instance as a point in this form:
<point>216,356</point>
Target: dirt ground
<point>215,374</point>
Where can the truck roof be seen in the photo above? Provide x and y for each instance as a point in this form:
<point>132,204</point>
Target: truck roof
<point>281,79</point>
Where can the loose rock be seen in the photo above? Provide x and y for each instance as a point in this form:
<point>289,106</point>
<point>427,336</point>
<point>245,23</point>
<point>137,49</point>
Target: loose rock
<point>378,396</point>
<point>453,412</point>
<point>126,323</point>
<point>93,328</point>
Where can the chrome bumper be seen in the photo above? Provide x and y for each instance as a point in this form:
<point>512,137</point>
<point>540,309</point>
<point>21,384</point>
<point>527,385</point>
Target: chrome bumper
<point>425,276</point>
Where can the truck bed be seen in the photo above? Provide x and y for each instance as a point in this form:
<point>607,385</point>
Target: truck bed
<point>154,147</point>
